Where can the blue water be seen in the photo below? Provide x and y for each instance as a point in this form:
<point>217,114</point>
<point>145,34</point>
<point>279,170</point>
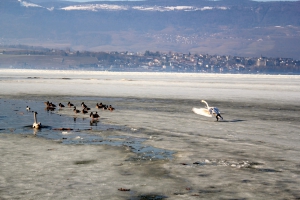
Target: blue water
<point>75,130</point>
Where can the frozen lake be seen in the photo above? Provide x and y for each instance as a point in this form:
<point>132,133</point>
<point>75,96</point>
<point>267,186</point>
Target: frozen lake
<point>152,144</point>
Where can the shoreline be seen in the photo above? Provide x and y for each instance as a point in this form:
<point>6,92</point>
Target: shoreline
<point>140,72</point>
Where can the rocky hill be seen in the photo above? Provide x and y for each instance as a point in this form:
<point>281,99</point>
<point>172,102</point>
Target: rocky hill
<point>226,27</point>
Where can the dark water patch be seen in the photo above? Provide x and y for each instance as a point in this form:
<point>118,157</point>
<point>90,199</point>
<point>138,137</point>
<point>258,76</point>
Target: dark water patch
<point>150,197</point>
<point>237,199</point>
<point>84,162</point>
<point>266,183</point>
<point>26,154</point>
<point>179,193</point>
<point>41,127</point>
<point>199,163</point>
<point>209,190</point>
<point>204,175</point>
<point>296,172</point>
<point>246,181</point>
<point>34,77</point>
<point>233,120</point>
<point>126,173</point>
<point>268,170</point>
<point>252,164</point>
<point>280,160</point>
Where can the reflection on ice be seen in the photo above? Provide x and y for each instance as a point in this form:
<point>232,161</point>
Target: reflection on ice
<point>81,133</point>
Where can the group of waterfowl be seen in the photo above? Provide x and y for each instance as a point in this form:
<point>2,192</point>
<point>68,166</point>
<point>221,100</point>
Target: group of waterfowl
<point>50,106</point>
<point>208,111</point>
<point>104,107</point>
<point>85,109</point>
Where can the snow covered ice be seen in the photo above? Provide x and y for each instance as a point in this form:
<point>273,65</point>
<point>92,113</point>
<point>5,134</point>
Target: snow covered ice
<point>152,144</point>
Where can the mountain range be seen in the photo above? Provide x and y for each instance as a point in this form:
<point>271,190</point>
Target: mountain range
<point>224,27</point>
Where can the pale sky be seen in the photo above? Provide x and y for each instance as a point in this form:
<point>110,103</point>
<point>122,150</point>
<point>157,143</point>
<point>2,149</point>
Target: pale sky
<point>275,0</point>
<point>142,0</point>
<point>103,0</point>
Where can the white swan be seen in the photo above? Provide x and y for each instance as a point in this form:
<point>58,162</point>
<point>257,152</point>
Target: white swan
<point>208,111</point>
<point>36,124</point>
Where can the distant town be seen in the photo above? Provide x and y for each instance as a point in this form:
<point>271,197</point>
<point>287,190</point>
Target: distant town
<point>25,57</point>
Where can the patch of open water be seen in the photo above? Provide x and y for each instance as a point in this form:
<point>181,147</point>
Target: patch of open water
<point>71,128</point>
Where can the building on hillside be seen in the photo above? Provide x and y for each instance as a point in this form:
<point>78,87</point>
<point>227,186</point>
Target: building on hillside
<point>261,62</point>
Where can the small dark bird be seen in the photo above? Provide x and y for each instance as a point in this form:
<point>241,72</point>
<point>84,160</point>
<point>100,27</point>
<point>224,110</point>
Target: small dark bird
<point>100,105</point>
<point>94,116</point>
<point>83,111</point>
<point>75,110</point>
<point>110,108</point>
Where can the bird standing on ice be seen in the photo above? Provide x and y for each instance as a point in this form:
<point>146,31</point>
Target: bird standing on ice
<point>70,104</point>
<point>208,111</point>
<point>94,116</point>
<point>61,105</point>
<point>36,124</point>
<point>75,110</point>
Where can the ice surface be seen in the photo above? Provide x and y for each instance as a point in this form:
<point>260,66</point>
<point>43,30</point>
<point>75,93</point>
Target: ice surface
<point>271,88</point>
<point>153,143</point>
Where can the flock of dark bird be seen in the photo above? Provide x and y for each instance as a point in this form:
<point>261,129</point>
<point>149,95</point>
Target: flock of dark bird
<point>85,110</point>
<point>207,111</point>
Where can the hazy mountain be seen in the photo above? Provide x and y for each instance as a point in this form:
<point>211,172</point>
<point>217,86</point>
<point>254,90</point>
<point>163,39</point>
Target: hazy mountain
<point>225,27</point>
